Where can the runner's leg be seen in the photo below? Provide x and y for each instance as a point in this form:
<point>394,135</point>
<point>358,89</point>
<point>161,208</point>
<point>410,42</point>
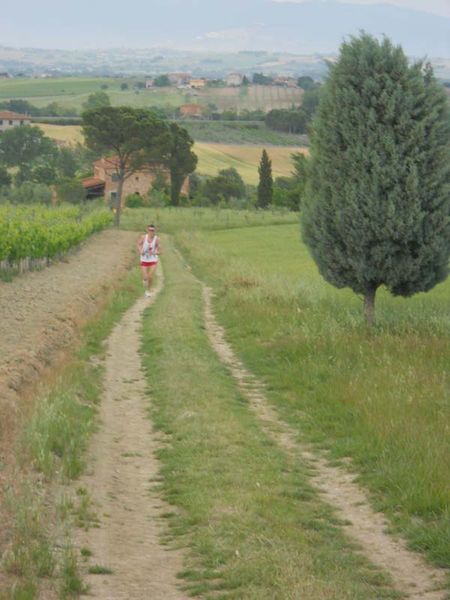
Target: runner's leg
<point>145,278</point>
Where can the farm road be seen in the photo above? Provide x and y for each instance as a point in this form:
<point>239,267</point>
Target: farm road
<point>122,468</point>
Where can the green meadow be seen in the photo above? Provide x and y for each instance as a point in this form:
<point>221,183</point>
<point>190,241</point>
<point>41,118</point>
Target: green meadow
<point>72,92</point>
<point>381,397</point>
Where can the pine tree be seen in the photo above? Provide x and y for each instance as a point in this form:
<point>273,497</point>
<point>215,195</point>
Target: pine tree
<point>265,186</point>
<point>378,207</point>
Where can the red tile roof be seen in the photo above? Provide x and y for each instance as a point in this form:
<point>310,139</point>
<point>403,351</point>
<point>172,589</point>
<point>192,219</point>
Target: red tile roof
<point>13,116</point>
<point>92,182</point>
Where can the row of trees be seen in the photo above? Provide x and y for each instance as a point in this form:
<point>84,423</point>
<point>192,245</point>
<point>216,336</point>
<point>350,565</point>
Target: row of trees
<point>33,157</point>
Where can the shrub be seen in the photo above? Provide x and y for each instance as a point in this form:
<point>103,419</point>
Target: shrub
<point>134,201</point>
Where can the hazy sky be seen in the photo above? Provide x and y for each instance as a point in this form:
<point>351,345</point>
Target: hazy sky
<point>297,25</point>
<point>437,7</point>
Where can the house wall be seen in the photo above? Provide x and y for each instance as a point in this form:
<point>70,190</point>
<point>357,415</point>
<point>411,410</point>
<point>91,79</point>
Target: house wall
<point>138,183</point>
<point>10,123</point>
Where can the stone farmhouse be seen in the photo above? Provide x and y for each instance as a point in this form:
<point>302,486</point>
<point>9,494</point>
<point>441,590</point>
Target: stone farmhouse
<point>9,119</point>
<point>104,181</point>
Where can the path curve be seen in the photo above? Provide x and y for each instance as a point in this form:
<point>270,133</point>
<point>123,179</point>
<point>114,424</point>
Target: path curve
<point>123,466</point>
<point>411,575</point>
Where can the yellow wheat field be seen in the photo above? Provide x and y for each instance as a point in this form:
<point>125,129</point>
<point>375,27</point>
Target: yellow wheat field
<point>211,157</point>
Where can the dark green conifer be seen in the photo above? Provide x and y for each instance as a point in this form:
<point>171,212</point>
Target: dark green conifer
<point>265,186</point>
<point>378,207</point>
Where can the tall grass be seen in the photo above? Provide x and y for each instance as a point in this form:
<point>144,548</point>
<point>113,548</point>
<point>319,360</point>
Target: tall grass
<point>251,526</point>
<point>173,220</point>
<point>381,397</point>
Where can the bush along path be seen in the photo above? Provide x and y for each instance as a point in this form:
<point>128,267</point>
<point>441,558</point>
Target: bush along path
<point>121,519</point>
<point>411,575</point>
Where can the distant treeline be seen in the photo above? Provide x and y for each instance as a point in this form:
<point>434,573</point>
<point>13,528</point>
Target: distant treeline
<point>294,120</point>
<point>53,109</point>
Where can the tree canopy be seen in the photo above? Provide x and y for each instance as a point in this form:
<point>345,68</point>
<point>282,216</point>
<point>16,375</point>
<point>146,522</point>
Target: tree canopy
<point>378,206</point>
<point>181,161</point>
<point>135,136</point>
<point>96,100</point>
<point>265,186</point>
<point>32,152</point>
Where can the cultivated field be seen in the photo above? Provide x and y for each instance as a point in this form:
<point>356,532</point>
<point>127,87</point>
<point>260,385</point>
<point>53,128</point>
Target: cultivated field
<point>72,92</point>
<point>212,157</point>
<point>69,134</point>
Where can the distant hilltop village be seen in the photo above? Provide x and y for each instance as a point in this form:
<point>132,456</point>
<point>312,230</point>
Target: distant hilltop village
<point>151,63</point>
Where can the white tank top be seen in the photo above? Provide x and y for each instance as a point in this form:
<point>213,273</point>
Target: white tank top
<point>149,250</point>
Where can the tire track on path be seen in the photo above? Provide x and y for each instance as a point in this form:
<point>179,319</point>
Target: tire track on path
<point>123,466</point>
<point>411,575</point>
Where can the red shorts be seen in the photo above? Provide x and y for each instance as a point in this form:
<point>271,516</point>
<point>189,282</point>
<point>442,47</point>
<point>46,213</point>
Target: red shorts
<point>148,264</point>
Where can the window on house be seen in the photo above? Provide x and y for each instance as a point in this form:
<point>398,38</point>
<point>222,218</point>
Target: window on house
<point>114,177</point>
<point>10,122</point>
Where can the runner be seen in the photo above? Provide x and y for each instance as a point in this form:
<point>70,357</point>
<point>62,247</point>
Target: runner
<point>148,246</point>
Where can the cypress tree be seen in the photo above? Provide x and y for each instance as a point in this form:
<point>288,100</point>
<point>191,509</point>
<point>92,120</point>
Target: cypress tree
<point>378,206</point>
<point>265,186</point>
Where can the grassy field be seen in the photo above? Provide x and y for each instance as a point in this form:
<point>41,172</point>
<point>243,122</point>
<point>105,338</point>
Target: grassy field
<point>251,526</point>
<point>212,157</point>
<point>69,134</point>
<point>71,92</point>
<point>380,397</point>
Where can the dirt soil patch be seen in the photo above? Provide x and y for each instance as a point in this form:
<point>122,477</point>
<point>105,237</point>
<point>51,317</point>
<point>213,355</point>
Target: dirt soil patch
<point>40,316</point>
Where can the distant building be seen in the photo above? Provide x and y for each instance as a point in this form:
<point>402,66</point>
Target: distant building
<point>104,181</point>
<point>5,75</point>
<point>234,79</point>
<point>285,81</point>
<point>179,79</point>
<point>191,111</point>
<point>149,83</point>
<point>9,119</point>
<point>197,83</point>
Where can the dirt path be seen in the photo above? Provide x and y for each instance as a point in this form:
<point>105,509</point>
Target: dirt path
<point>127,540</point>
<point>411,575</point>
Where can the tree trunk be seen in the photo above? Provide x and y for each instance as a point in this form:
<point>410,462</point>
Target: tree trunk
<point>118,206</point>
<point>175,188</point>
<point>369,306</point>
